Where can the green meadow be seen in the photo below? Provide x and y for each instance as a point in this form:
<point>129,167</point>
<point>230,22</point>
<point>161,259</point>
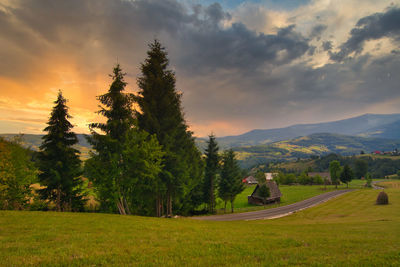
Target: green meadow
<point>290,195</point>
<point>347,231</point>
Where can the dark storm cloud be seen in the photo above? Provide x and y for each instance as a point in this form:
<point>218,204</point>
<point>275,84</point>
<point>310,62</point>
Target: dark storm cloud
<point>327,46</point>
<point>298,92</point>
<point>372,27</point>
<point>317,30</point>
<point>119,27</point>
<point>237,47</point>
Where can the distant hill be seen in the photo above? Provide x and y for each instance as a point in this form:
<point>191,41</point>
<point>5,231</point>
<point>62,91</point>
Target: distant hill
<point>33,141</point>
<point>315,144</point>
<point>368,125</point>
<point>367,132</point>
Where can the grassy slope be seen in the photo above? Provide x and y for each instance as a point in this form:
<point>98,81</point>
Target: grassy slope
<point>350,231</point>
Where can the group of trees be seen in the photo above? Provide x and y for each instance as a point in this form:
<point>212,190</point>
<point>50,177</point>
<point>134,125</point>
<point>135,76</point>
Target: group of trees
<point>222,176</point>
<point>302,178</point>
<point>378,167</point>
<point>144,159</point>
<point>340,174</point>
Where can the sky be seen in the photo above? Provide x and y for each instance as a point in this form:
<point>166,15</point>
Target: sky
<point>240,65</point>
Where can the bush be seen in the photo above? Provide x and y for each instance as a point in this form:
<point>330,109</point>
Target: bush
<point>39,205</point>
<point>382,199</point>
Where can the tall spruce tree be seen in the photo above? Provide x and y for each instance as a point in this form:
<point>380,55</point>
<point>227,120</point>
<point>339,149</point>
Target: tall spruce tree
<point>161,114</point>
<point>210,175</point>
<point>106,164</point>
<point>125,167</point>
<point>230,183</point>
<point>58,161</point>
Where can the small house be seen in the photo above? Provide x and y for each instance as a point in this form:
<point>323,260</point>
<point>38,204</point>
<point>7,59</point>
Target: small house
<point>250,180</point>
<point>275,194</point>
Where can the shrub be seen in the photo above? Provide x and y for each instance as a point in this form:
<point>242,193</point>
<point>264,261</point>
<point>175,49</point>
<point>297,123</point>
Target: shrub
<point>382,199</point>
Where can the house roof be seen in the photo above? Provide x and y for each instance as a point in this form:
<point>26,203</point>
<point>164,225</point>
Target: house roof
<point>269,175</point>
<point>273,189</point>
<point>250,180</point>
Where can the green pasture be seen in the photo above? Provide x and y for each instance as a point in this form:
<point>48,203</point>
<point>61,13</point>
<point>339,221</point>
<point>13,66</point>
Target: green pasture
<point>347,231</point>
<point>290,195</point>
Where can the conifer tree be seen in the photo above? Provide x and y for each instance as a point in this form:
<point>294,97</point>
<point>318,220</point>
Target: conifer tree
<point>125,167</point>
<point>230,184</point>
<point>59,163</point>
<point>161,114</point>
<point>106,164</point>
<point>211,170</point>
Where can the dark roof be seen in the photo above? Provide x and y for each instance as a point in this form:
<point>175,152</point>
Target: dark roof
<point>251,180</point>
<point>273,189</point>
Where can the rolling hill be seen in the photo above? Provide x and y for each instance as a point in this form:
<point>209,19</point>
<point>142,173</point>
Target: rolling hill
<point>315,144</point>
<point>368,125</point>
<point>33,141</point>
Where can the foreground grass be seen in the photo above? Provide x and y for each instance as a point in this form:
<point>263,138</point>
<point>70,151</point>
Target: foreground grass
<point>347,231</point>
<point>290,195</point>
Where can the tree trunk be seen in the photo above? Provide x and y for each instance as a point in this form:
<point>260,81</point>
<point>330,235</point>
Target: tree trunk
<point>212,200</point>
<point>225,207</point>
<point>120,206</point>
<point>158,205</point>
<point>169,204</point>
<point>162,205</point>
<point>232,206</point>
<point>126,206</point>
<point>58,199</point>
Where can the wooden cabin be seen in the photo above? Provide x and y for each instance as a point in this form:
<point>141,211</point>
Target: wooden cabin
<point>275,194</point>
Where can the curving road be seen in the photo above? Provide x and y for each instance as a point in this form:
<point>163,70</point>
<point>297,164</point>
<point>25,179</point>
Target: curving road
<point>275,212</point>
<point>374,186</point>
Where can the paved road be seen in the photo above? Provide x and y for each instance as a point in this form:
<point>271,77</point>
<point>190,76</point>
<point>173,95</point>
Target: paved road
<point>275,212</point>
<point>374,186</point>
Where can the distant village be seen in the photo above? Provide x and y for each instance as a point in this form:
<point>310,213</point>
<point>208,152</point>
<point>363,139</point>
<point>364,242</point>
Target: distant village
<point>395,152</point>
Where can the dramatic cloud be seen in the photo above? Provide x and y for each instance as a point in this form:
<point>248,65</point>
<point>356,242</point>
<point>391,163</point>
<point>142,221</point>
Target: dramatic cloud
<point>372,27</point>
<point>317,30</point>
<point>240,66</point>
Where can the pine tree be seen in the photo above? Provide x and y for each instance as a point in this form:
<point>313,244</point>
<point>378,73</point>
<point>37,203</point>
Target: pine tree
<point>59,163</point>
<point>211,170</point>
<point>230,184</point>
<point>127,161</point>
<point>161,114</point>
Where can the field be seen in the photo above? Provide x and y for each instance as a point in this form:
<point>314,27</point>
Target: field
<point>347,231</point>
<point>290,194</point>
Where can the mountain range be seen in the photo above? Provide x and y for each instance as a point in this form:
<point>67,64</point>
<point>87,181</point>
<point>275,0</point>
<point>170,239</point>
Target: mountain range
<point>368,125</point>
<point>367,133</point>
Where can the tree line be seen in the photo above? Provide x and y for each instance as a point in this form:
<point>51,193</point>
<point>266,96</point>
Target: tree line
<point>144,159</point>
